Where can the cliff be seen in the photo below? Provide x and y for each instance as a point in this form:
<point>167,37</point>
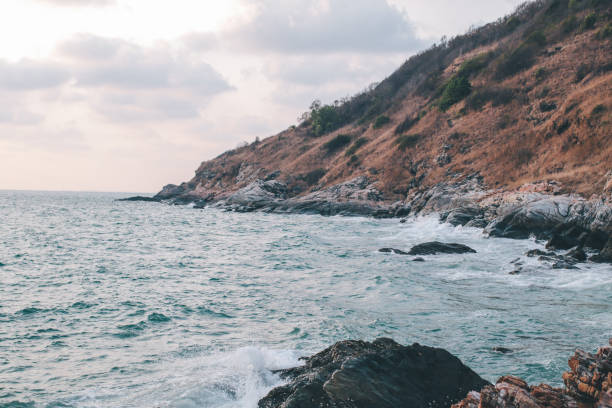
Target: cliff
<point>524,99</point>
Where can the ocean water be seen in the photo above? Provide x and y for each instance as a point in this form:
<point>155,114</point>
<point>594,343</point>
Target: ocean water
<point>121,304</point>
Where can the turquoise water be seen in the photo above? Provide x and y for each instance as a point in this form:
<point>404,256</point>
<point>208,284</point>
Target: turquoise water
<point>113,304</point>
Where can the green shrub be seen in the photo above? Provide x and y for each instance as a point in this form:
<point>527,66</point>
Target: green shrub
<point>523,155</point>
<point>497,97</point>
<point>540,74</point>
<point>504,122</point>
<point>512,24</point>
<point>543,93</point>
<point>337,142</point>
<point>582,71</point>
<point>569,24</point>
<point>313,177</point>
<point>356,145</point>
<point>406,141</point>
<point>537,37</point>
<point>354,160</point>
<point>455,90</point>
<point>564,126</point>
<point>589,22</point>
<point>605,32</point>
<point>474,65</point>
<point>547,106</point>
<point>407,124</point>
<point>324,119</point>
<point>598,110</point>
<point>381,121</point>
<point>516,60</point>
<point>573,4</point>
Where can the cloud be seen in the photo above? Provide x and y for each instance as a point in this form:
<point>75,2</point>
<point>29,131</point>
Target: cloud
<point>296,26</point>
<point>133,107</point>
<point>100,61</point>
<point>320,70</point>
<point>20,117</point>
<point>29,75</point>
<point>78,3</point>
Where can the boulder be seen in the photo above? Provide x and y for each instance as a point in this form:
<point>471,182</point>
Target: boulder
<point>393,250</point>
<point>539,218</point>
<point>381,374</point>
<point>605,255</point>
<point>463,215</point>
<point>259,193</point>
<point>433,248</point>
<point>578,254</point>
<point>171,191</point>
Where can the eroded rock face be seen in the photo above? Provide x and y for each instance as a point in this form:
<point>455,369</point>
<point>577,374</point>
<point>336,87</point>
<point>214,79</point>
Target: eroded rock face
<point>433,248</point>
<point>513,392</point>
<point>590,375</point>
<point>259,193</point>
<point>381,374</point>
<point>587,385</point>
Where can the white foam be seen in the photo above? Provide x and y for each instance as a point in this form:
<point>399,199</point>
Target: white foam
<point>237,379</point>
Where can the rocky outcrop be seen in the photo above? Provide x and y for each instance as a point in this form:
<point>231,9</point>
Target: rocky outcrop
<point>140,198</point>
<point>590,377</point>
<point>588,384</point>
<point>512,392</point>
<point>381,374</point>
<point>393,251</point>
<point>567,222</point>
<point>258,194</point>
<point>433,248</point>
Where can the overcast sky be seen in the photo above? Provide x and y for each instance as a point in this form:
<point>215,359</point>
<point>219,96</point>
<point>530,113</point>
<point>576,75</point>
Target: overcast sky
<point>129,95</point>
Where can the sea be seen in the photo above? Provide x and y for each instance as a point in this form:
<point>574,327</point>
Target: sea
<point>130,304</point>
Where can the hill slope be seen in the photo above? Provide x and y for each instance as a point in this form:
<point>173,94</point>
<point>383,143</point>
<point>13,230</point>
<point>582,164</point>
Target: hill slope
<point>527,98</point>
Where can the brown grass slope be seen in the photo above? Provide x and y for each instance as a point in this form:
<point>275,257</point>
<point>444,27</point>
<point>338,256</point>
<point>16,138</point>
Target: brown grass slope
<point>538,107</point>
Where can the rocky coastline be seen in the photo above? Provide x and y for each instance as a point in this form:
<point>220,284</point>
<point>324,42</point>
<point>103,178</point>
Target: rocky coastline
<point>567,222</point>
<point>385,374</point>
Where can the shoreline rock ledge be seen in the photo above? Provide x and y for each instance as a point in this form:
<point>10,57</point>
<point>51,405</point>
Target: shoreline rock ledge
<point>385,374</point>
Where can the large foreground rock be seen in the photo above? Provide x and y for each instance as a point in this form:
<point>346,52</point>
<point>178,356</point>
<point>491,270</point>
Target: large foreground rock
<point>381,374</point>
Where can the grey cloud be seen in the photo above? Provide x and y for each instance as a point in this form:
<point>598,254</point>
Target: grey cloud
<point>89,47</point>
<point>30,75</point>
<point>135,107</point>
<point>329,69</point>
<point>200,41</point>
<point>296,26</point>
<point>113,62</point>
<point>20,117</point>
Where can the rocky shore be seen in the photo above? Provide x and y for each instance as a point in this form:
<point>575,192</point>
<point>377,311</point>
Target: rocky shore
<point>567,222</point>
<point>385,374</point>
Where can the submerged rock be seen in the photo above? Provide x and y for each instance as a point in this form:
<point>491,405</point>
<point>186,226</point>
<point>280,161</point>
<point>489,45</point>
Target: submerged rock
<point>381,374</point>
<point>140,198</point>
<point>393,250</point>
<point>433,248</point>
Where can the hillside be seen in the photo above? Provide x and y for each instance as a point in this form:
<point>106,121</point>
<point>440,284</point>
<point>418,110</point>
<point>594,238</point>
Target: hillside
<point>525,99</point>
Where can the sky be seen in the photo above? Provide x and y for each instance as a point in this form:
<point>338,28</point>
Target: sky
<point>130,95</point>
